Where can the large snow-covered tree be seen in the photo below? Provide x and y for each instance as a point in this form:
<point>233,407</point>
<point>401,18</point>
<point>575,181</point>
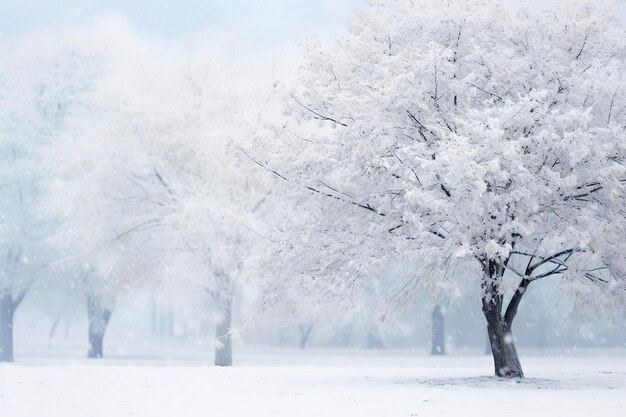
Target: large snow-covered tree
<point>463,141</point>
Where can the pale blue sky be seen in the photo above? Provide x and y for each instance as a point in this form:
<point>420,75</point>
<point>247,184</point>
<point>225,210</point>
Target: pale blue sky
<point>252,24</point>
<point>256,22</point>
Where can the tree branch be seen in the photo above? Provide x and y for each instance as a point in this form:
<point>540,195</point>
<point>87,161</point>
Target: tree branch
<point>551,259</point>
<point>319,115</point>
<point>365,206</point>
<point>160,178</point>
<point>582,48</point>
<point>511,310</point>
<point>420,126</point>
<point>148,224</point>
<point>494,95</point>
<point>18,300</point>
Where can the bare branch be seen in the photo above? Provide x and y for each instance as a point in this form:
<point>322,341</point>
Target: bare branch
<point>319,115</point>
<point>551,259</point>
<point>365,206</point>
<point>487,92</point>
<point>511,310</point>
<point>582,48</point>
<point>160,178</point>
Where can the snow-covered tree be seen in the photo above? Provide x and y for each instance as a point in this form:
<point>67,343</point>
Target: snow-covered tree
<point>99,270</point>
<point>158,176</point>
<point>462,141</point>
<point>42,77</point>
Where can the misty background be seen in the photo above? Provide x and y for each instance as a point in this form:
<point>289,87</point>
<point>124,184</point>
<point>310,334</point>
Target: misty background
<point>50,324</point>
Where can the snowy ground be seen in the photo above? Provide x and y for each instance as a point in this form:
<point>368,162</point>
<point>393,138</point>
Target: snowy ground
<point>317,384</point>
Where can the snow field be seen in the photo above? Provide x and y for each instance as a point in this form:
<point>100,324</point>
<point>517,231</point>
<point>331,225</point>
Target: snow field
<point>462,387</point>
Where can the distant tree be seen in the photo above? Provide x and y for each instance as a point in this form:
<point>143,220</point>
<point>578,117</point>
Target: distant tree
<point>101,292</point>
<point>438,345</point>
<point>99,269</point>
<point>461,140</point>
<point>90,240</point>
<point>159,177</point>
<point>306,328</point>
<point>42,77</point>
<point>99,317</point>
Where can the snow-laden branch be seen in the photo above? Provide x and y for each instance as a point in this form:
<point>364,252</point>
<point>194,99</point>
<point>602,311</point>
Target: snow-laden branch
<point>365,206</point>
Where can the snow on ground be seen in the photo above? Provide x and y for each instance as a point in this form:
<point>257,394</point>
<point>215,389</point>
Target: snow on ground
<point>321,383</point>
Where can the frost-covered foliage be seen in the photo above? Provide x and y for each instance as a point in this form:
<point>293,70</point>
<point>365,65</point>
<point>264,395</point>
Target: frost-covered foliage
<point>38,88</point>
<point>86,195</point>
<point>459,140</point>
<point>157,183</point>
<point>90,268</point>
<point>42,78</point>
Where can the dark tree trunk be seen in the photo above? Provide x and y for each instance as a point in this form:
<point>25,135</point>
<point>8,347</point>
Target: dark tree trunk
<point>505,358</point>
<point>224,348</point>
<point>7,310</point>
<point>305,333</point>
<point>99,317</point>
<point>439,345</point>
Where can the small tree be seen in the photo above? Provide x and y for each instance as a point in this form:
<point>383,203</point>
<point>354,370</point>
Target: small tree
<point>461,140</point>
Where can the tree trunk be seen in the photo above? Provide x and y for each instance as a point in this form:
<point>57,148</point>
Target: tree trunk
<point>223,347</point>
<point>505,358</point>
<point>98,320</point>
<point>7,310</point>
<point>305,333</point>
<point>439,344</point>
